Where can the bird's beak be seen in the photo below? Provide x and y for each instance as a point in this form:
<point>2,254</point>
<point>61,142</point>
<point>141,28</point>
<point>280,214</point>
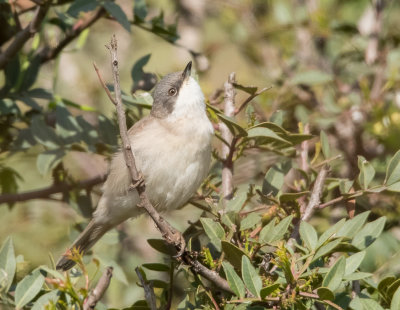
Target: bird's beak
<point>187,71</point>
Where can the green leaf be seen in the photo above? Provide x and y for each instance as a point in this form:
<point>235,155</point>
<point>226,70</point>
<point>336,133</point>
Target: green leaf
<point>233,127</point>
<point>237,202</point>
<point>330,232</point>
<point>137,69</point>
<point>327,248</point>
<point>357,276</point>
<point>268,290</point>
<point>286,197</point>
<point>161,246</point>
<point>353,262</point>
<point>251,90</point>
<point>234,281</point>
<point>7,263</point>
<point>367,172</point>
<point>267,134</point>
<point>30,74</point>
<point>369,233</point>
<point>364,303</point>
<point>250,221</point>
<point>393,170</point>
<point>44,134</point>
<point>232,254</point>
<point>351,227</point>
<point>325,145</point>
<point>325,293</point>
<point>392,288</point>
<point>274,178</point>
<point>308,235</point>
<point>45,300</point>
<point>345,186</point>
<point>140,9</point>
<point>28,288</point>
<point>385,283</point>
<point>214,231</point>
<point>312,77</point>
<point>115,11</point>
<point>79,6</point>
<point>395,304</point>
<point>266,231</point>
<point>47,160</point>
<point>395,187</point>
<point>335,275</point>
<point>250,277</point>
<point>157,267</point>
<point>279,230</point>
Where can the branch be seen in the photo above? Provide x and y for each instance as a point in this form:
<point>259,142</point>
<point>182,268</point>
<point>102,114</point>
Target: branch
<point>22,36</point>
<point>229,110</point>
<point>46,192</point>
<point>316,194</point>
<point>313,204</point>
<point>50,53</point>
<point>148,290</point>
<point>170,235</point>
<point>98,292</point>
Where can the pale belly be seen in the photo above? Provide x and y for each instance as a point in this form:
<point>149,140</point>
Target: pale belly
<point>173,166</point>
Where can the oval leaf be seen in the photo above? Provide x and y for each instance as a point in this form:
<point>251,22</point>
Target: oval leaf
<point>308,235</point>
<point>235,283</point>
<point>7,262</point>
<point>28,288</point>
<point>250,277</point>
<point>335,275</point>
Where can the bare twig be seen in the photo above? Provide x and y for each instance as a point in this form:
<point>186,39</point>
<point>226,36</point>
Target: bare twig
<point>170,235</point>
<point>315,199</point>
<point>148,290</point>
<point>313,203</point>
<point>104,85</point>
<point>229,110</point>
<point>47,53</point>
<point>251,97</point>
<point>46,192</point>
<point>22,36</point>
<point>96,294</point>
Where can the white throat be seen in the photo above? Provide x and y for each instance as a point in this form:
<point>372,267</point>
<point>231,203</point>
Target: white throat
<point>190,101</point>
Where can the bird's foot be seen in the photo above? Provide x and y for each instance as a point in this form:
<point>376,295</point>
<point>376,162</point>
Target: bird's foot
<point>179,243</point>
<point>139,181</point>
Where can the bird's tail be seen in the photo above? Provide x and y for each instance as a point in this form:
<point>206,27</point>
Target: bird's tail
<point>92,233</point>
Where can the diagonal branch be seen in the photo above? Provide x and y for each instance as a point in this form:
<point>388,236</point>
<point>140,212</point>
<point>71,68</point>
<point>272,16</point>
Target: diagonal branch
<point>46,192</point>
<point>98,292</point>
<point>22,36</point>
<point>170,235</point>
<point>50,53</point>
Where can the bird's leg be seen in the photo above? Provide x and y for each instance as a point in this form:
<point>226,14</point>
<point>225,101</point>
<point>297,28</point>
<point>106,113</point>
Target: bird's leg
<point>139,181</point>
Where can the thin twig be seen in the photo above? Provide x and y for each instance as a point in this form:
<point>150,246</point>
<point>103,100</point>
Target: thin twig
<point>96,294</point>
<point>316,194</point>
<point>22,36</point>
<point>47,53</point>
<point>148,290</point>
<point>229,110</point>
<point>104,85</point>
<point>46,192</point>
<point>313,203</point>
<point>251,97</point>
<point>170,235</point>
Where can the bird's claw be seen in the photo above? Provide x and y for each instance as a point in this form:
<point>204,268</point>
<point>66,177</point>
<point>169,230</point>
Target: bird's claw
<point>180,244</point>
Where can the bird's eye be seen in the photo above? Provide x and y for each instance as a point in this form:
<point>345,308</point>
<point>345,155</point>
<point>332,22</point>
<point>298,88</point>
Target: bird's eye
<point>172,92</point>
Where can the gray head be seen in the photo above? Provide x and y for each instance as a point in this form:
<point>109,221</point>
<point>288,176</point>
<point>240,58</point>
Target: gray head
<point>167,91</point>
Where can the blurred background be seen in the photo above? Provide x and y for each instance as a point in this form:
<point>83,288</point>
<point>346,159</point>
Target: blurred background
<point>331,64</point>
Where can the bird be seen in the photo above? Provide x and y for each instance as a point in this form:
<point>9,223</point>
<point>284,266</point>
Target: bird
<point>172,150</point>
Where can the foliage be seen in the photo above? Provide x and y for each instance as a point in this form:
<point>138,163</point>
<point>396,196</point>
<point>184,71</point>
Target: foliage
<point>330,106</point>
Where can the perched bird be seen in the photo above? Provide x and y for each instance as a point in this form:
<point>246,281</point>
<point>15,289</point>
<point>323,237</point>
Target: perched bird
<point>172,149</point>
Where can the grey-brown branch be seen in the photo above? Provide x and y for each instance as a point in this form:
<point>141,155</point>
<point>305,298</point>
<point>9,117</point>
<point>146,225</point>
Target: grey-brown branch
<point>170,235</point>
<point>98,292</point>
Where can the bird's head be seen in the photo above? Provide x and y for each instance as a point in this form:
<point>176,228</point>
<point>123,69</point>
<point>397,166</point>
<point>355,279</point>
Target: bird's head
<point>178,95</point>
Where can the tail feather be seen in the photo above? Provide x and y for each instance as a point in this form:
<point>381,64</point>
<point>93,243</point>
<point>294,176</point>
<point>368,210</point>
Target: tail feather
<point>92,233</point>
